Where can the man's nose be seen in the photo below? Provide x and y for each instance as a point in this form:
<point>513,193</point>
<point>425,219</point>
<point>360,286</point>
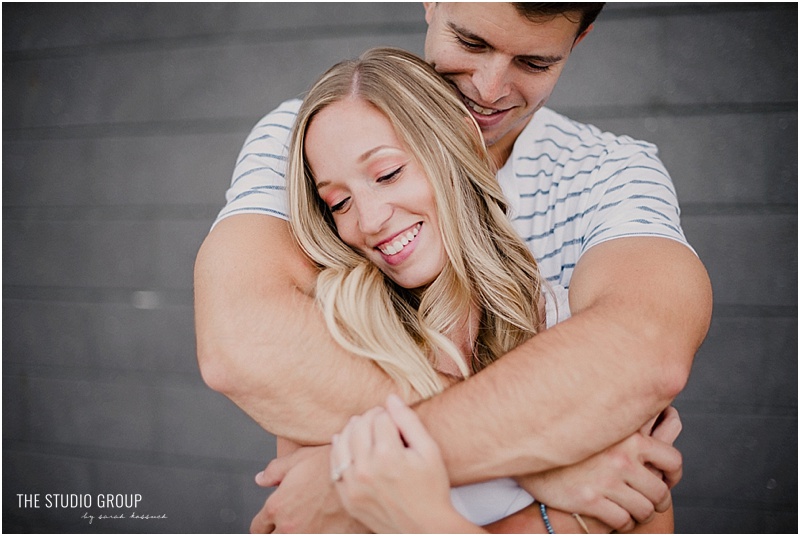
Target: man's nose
<point>491,79</point>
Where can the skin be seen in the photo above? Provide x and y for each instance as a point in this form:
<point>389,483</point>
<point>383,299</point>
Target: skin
<point>504,66</point>
<point>641,308</point>
<point>395,464</point>
<point>393,479</point>
<point>376,191</point>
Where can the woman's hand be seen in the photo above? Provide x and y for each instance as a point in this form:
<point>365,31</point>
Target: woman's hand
<point>389,474</point>
<point>628,482</point>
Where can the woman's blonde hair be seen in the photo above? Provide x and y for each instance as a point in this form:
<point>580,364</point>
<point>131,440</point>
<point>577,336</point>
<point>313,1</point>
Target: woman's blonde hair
<point>488,265</point>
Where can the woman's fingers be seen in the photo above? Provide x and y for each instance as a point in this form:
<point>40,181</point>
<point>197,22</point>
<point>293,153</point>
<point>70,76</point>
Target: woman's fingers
<point>340,457</point>
<point>386,435</point>
<point>414,433</point>
<point>359,433</point>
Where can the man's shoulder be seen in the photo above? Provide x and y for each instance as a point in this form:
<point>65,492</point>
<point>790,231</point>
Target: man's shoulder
<point>553,133</point>
<point>272,130</point>
<point>284,114</point>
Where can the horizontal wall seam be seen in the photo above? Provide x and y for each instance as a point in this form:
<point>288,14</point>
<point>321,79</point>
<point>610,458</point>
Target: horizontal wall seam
<point>137,457</point>
<point>698,407</point>
<point>136,213</point>
<point>211,40</point>
<point>729,504</point>
<point>304,33</point>
<point>139,298</point>
<point>200,212</point>
<point>228,125</point>
<point>151,378</point>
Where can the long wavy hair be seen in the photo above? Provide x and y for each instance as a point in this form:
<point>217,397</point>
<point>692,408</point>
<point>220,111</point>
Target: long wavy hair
<point>488,266</point>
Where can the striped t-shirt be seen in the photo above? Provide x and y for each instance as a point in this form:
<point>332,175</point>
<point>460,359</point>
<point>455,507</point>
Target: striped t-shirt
<point>570,186</point>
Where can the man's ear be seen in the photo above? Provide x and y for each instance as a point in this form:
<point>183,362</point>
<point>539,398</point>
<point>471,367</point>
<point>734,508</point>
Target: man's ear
<point>429,7</point>
<point>582,35</point>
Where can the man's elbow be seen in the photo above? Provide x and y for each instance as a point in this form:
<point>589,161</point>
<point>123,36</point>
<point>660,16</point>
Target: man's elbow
<point>674,378</point>
<point>214,369</point>
<point>665,363</point>
<point>677,341</point>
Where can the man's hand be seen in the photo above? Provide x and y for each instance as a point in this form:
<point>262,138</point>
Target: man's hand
<point>305,501</point>
<point>666,428</point>
<point>624,484</point>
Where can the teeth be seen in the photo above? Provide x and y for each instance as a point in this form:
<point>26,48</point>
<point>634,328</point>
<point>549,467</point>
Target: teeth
<point>480,109</point>
<point>400,242</point>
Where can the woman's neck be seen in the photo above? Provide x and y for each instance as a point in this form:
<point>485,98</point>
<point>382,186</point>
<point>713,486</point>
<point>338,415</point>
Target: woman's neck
<point>464,335</point>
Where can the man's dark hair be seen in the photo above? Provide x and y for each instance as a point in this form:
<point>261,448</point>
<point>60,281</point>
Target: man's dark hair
<point>588,11</point>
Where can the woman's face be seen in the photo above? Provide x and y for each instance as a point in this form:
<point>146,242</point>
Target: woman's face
<point>382,202</point>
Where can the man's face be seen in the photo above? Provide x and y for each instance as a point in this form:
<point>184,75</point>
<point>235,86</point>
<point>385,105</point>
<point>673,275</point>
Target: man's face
<point>504,65</point>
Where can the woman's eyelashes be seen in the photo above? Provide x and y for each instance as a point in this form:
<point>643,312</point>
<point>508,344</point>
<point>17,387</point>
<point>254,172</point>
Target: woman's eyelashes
<point>383,179</point>
<point>338,207</point>
<point>390,176</point>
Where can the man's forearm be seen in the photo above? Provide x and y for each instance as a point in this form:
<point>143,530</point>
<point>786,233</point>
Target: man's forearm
<point>568,393</point>
<point>541,406</point>
<point>640,311</point>
<point>261,340</point>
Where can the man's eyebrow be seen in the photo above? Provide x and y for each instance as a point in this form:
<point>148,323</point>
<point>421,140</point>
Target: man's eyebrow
<point>539,58</point>
<point>468,34</point>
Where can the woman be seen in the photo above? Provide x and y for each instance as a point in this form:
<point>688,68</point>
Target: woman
<point>421,271</point>
<point>486,269</point>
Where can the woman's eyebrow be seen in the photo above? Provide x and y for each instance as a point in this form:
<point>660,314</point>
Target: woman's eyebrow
<point>363,158</point>
<point>372,151</point>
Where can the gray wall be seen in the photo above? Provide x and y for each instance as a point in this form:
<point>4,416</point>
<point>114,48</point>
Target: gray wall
<point>121,125</point>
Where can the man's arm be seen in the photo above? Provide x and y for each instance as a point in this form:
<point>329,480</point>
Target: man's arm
<point>261,340</point>
<point>641,308</point>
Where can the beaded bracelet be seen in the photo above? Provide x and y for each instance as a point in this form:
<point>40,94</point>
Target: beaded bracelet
<point>543,509</point>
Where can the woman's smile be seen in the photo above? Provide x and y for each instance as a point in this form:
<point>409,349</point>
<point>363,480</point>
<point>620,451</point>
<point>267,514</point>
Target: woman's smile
<point>380,198</point>
<point>393,247</point>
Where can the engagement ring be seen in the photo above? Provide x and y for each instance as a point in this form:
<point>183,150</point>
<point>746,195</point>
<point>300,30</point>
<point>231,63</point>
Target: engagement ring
<point>336,474</point>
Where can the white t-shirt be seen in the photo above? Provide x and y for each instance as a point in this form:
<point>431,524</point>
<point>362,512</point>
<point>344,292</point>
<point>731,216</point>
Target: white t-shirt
<point>487,502</point>
<point>570,186</point>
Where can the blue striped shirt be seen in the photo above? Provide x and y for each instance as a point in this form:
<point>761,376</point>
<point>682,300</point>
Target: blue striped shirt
<point>570,186</point>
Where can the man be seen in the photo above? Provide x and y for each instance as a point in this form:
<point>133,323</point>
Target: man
<point>600,216</point>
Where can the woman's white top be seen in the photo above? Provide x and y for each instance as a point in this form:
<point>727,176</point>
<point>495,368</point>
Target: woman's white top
<point>487,502</point>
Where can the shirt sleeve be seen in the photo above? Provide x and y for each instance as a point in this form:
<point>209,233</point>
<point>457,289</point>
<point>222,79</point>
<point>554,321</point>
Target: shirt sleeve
<point>556,300</point>
<point>258,185</point>
<point>632,195</point>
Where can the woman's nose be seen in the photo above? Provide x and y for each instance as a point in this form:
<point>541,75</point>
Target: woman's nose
<point>373,213</point>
